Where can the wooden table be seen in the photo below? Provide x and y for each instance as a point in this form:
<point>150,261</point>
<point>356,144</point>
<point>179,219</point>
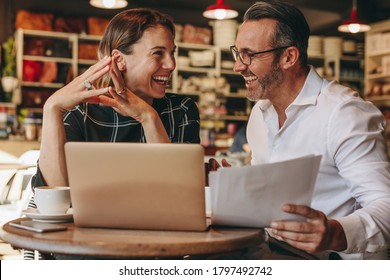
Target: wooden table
<point>136,244</point>
<point>8,166</point>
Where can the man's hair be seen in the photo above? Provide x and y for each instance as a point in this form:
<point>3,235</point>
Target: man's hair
<point>291,28</point>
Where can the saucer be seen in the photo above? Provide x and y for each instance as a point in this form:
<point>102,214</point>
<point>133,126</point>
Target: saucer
<point>49,218</point>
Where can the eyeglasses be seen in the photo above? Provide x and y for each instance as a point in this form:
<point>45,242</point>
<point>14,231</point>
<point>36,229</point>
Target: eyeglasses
<point>246,57</point>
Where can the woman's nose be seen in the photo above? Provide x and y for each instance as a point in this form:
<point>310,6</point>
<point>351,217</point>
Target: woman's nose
<point>169,63</point>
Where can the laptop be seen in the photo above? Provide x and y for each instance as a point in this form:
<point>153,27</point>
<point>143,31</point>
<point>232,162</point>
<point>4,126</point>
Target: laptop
<point>137,185</point>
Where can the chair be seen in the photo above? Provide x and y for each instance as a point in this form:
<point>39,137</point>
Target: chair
<point>15,188</point>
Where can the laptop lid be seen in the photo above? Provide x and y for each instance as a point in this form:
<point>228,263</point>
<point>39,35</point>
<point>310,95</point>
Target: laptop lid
<point>137,185</point>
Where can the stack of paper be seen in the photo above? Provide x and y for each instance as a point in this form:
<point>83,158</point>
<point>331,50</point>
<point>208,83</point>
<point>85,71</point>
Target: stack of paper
<point>252,196</point>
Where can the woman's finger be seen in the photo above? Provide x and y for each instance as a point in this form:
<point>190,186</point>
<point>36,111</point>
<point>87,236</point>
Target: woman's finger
<point>93,73</point>
<point>107,101</point>
<point>96,67</point>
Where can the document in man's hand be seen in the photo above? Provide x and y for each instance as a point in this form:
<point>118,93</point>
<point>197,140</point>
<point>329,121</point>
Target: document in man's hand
<point>252,196</point>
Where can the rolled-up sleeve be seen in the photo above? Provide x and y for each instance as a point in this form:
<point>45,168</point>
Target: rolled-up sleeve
<point>359,150</point>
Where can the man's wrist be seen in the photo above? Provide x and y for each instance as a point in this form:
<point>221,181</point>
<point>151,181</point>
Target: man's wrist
<point>338,241</point>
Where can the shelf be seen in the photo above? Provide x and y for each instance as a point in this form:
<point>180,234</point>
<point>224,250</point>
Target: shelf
<point>7,104</point>
<point>189,46</point>
<point>315,57</point>
<point>235,95</point>
<point>351,79</point>
<point>378,53</point>
<point>51,34</point>
<point>77,64</point>
<point>48,59</point>
<point>229,72</point>
<point>42,85</point>
<point>204,70</point>
<point>86,61</point>
<point>379,77</point>
<point>85,37</point>
<point>377,48</point>
<point>382,100</point>
<point>344,58</point>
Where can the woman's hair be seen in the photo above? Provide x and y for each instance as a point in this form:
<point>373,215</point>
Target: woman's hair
<point>126,28</point>
<point>291,28</point>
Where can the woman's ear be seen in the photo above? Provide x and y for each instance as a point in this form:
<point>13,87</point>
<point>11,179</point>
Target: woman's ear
<point>290,57</point>
<point>118,58</point>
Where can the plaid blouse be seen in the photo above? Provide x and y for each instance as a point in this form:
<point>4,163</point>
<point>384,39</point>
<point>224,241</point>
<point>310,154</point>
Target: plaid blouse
<point>95,123</point>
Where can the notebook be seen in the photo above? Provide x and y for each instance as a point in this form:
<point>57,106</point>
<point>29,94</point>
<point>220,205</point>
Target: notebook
<point>137,185</point>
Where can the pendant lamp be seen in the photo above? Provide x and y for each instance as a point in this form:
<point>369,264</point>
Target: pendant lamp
<point>108,4</point>
<point>220,11</point>
<point>353,24</point>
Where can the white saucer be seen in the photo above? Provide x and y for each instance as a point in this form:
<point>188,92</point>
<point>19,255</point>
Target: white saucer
<point>49,218</point>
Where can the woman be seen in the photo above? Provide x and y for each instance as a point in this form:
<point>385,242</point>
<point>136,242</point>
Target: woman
<point>122,97</point>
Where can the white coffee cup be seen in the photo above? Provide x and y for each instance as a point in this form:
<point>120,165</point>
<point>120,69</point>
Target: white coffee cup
<point>52,200</point>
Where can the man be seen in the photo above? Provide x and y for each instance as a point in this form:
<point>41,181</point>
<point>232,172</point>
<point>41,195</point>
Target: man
<point>299,113</point>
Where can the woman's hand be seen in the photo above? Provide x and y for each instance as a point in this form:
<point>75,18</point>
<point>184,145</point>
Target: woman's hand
<point>76,91</point>
<point>123,100</point>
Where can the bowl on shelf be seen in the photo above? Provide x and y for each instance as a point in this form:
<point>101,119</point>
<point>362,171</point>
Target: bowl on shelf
<point>201,58</point>
<point>183,61</point>
<point>9,83</point>
<point>227,64</point>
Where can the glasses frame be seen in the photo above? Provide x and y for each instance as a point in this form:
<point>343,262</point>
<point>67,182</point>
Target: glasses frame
<point>236,53</point>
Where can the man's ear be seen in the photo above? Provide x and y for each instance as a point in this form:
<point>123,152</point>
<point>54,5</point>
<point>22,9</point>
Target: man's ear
<point>290,57</point>
<point>118,58</point>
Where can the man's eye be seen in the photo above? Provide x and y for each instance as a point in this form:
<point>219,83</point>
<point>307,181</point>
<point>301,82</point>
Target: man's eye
<point>158,53</point>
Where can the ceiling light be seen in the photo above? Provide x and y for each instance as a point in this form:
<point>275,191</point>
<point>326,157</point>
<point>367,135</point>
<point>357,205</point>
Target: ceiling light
<point>353,24</point>
<point>108,4</point>
<point>220,11</point>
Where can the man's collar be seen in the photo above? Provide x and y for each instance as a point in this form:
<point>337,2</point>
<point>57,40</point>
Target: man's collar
<point>308,94</point>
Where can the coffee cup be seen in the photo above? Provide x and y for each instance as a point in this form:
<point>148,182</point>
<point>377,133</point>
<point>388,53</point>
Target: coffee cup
<point>52,199</point>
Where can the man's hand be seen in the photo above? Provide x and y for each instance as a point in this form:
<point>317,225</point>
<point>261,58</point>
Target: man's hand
<point>213,165</point>
<point>315,235</point>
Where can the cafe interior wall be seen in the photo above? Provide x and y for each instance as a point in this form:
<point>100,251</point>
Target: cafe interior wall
<point>323,16</point>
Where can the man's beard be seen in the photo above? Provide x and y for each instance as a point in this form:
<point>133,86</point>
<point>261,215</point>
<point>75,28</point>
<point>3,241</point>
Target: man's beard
<point>269,81</point>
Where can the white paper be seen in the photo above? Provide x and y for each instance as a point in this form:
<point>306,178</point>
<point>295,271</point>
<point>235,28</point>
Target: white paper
<point>252,196</point>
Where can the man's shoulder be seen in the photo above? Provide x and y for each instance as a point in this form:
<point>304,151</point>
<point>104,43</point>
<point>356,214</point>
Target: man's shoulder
<point>336,92</point>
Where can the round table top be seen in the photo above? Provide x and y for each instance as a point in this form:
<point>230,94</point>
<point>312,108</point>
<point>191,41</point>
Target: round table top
<point>126,243</point>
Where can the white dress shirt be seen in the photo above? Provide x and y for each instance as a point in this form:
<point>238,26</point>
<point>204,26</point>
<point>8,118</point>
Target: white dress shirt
<point>353,183</point>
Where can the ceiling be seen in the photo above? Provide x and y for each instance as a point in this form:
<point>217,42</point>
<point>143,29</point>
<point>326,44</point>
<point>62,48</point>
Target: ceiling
<point>323,15</point>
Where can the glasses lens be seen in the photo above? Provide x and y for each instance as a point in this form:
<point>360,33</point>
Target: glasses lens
<point>244,57</point>
<point>234,52</point>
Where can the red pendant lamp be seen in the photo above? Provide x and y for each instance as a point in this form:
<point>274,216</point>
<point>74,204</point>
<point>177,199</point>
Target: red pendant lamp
<point>353,24</point>
<point>220,11</point>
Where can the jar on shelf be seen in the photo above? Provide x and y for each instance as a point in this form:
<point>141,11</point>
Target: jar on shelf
<point>30,129</point>
<point>3,123</point>
<point>38,124</point>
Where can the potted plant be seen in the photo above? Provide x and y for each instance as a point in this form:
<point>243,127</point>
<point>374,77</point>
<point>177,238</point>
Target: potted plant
<point>9,80</point>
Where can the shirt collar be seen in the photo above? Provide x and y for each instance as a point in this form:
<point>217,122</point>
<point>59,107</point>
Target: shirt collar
<point>310,90</point>
<point>308,94</point>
